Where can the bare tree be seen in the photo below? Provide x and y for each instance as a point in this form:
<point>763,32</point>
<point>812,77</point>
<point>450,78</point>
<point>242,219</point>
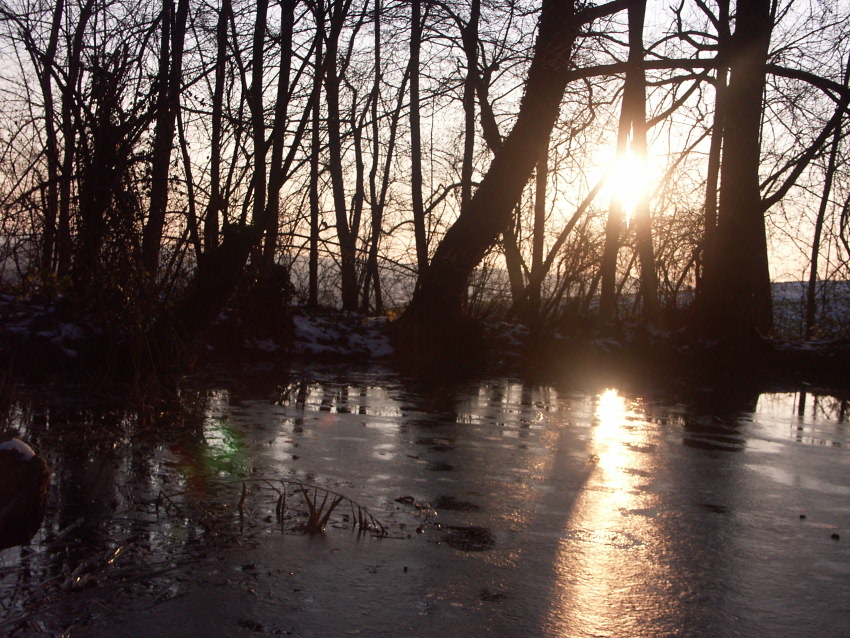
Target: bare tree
<point>831,165</point>
<point>736,304</point>
<point>436,306</point>
<point>169,83</point>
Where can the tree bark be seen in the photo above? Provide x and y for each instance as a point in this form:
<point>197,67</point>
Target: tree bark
<point>101,171</point>
<point>222,268</point>
<point>192,216</point>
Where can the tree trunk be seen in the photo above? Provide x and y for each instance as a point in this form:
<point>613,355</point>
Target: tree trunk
<point>215,206</point>
<point>347,238</point>
<point>811,289</point>
<point>70,123</point>
<point>436,308</point>
<point>632,125</point>
<point>192,216</point>
<point>258,120</point>
<point>372,275</point>
<point>514,264</point>
<point>470,47</point>
<point>736,277</point>
<point>378,195</point>
<point>418,206</point>
<point>714,152</point>
<point>209,291</point>
<point>220,271</point>
<point>100,179</point>
<point>276,171</point>
<point>643,218</point>
<point>44,68</point>
<point>537,242</point>
<point>170,79</point>
<point>315,147</point>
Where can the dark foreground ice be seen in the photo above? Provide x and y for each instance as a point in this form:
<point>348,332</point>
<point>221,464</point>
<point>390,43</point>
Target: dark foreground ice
<point>509,509</point>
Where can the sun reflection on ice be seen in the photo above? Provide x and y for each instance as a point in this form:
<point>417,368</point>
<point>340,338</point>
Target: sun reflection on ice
<point>610,414</point>
<point>604,562</point>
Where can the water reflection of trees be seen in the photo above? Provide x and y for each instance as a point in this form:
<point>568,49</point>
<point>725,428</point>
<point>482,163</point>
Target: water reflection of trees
<point>614,504</point>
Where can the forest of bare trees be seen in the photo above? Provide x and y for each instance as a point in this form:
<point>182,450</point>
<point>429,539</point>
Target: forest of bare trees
<point>440,159</point>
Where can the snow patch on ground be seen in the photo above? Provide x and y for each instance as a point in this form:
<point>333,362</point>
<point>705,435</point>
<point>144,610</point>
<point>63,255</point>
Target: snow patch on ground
<point>341,335</point>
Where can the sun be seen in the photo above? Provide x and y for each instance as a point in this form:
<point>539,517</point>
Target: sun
<point>629,181</point>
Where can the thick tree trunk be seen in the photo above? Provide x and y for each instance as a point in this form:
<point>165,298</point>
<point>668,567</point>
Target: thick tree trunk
<point>736,277</point>
<point>437,303</point>
<point>212,286</point>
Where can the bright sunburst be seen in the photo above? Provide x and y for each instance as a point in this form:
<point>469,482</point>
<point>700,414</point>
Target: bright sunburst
<point>629,181</point>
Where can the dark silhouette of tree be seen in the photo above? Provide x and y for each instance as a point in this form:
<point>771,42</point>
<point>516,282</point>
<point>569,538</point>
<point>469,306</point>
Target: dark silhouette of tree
<point>169,82</point>
<point>315,144</point>
<point>736,285</point>
<point>713,167</point>
<point>829,176</point>
<point>346,229</point>
<point>632,131</point>
<point>215,203</point>
<point>436,307</point>
<point>418,205</point>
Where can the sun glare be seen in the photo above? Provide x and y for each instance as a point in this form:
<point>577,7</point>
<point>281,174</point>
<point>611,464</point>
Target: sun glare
<point>611,413</point>
<point>629,182</point>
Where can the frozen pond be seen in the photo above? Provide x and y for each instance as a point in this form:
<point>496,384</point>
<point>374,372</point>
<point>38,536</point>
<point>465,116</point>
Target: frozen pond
<point>510,509</point>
